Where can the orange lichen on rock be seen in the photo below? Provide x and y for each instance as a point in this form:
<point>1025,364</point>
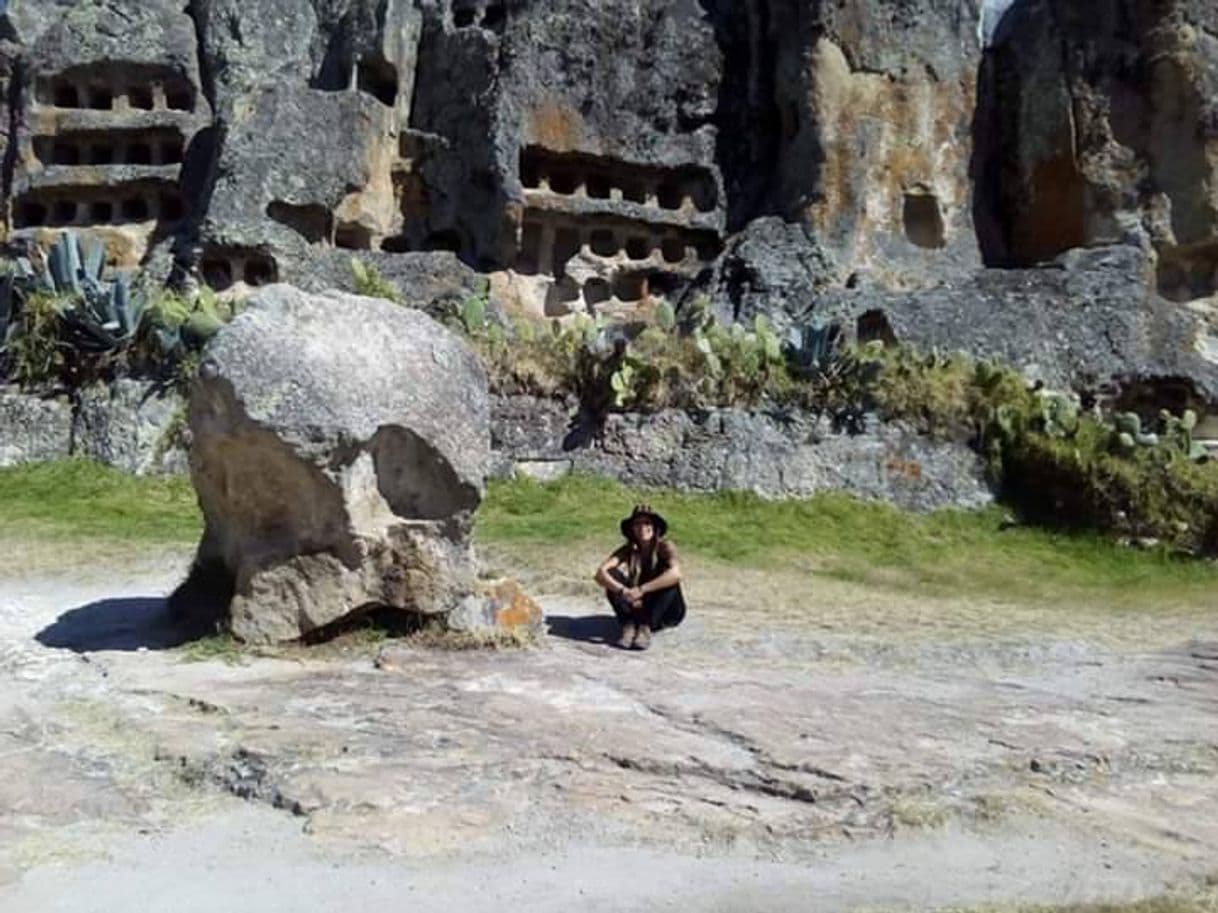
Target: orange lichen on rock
<point>512,607</point>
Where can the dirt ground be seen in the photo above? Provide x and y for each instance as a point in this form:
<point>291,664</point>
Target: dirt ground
<point>798,744</point>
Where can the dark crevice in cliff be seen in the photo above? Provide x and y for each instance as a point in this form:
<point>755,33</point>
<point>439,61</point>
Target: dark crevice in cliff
<point>202,157</point>
<point>9,166</point>
<point>747,116</point>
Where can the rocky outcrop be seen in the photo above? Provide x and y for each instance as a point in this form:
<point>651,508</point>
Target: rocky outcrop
<point>33,428</point>
<point>132,425</point>
<point>339,446</point>
<point>772,453</point>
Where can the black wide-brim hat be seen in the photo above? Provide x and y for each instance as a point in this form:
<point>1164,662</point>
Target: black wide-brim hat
<point>642,510</point>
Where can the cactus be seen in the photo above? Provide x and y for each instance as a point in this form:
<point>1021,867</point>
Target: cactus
<point>1128,423</point>
<point>622,383</point>
<point>473,315</point>
<point>666,318</point>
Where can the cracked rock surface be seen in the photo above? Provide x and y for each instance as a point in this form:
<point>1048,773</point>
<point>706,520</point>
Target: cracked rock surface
<point>945,758</point>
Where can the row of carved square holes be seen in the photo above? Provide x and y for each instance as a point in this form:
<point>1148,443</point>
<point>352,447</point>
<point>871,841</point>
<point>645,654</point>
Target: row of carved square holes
<point>61,151</point>
<point>603,243</point>
<point>64,94</point>
<point>668,195</point>
<point>220,272</point>
<point>627,288</point>
<point>33,213</point>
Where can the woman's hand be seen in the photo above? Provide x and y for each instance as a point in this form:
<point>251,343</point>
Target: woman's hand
<point>635,595</point>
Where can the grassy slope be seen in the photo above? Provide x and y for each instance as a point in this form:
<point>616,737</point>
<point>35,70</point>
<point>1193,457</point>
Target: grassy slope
<point>950,553</point>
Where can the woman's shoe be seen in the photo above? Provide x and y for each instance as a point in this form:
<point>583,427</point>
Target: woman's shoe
<point>629,632</point>
<point>642,637</point>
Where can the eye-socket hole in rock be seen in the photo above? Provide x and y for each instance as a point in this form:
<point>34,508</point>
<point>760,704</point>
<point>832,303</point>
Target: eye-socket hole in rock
<point>702,192</point>
<point>415,479</point>
<point>494,17</point>
<point>31,214</point>
<point>135,209</point>
<point>597,291</point>
<point>172,207</point>
<point>179,98</point>
<point>603,243</point>
<point>633,192</point>
<point>447,239</point>
<point>566,246</point>
<point>139,154</point>
<point>630,287</point>
<point>66,95</point>
<point>560,297</point>
<point>464,17</point>
<point>63,212</point>
<point>598,186</point>
<point>217,273</point>
<point>528,262</point>
<point>638,248</point>
<point>100,98</point>
<point>564,182</point>
<point>311,221</point>
<point>352,236</point>
<point>923,220</point>
<point>670,196</point>
<point>259,271</point>
<point>172,152</point>
<point>101,212</point>
<point>673,250</point>
<point>65,154</point>
<point>379,78</point>
<point>872,326</point>
<point>140,98</point>
<point>101,155</point>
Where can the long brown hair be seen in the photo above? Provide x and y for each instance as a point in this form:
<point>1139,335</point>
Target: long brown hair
<point>642,557</point>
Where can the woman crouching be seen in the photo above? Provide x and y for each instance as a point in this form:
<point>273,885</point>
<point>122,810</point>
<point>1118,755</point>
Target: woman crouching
<point>642,579</point>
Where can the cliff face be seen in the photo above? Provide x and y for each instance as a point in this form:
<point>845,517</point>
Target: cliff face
<point>597,155</point>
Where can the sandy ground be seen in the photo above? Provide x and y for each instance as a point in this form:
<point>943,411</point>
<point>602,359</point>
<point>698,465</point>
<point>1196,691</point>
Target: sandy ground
<point>850,749</point>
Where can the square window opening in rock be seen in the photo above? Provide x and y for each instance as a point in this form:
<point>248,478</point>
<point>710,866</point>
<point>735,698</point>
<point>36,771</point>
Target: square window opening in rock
<point>140,98</point>
<point>65,154</point>
<point>217,273</point>
<point>398,244</point>
<point>101,98</point>
<point>139,154</point>
<point>670,196</point>
<point>566,246</point>
<point>179,98</point>
<point>135,209</point>
<point>673,250</point>
<point>352,236</point>
<point>630,287</point>
<point>603,243</point>
<point>923,221</point>
<point>63,212</point>
<point>101,155</point>
<point>560,298</point>
<point>597,291</point>
<point>702,192</point>
<point>707,249</point>
<point>101,212</point>
<point>564,182</point>
<point>259,272</point>
<point>172,152</point>
<point>530,172</point>
<point>634,192</point>
<point>599,186</point>
<point>638,248</point>
<point>380,80</point>
<point>66,95</point>
<point>31,215</point>
<point>465,16</point>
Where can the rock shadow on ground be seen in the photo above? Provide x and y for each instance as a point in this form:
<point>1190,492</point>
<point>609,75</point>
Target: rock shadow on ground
<point>123,624</point>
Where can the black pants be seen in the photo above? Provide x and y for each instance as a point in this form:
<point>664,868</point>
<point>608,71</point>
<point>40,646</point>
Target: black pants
<point>661,609</point>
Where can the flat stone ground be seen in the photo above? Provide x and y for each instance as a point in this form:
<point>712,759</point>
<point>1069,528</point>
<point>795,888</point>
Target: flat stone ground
<point>831,749</point>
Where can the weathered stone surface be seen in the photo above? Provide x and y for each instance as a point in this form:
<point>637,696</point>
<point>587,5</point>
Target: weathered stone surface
<point>33,428</point>
<point>777,455</point>
<point>132,425</point>
<point>339,446</point>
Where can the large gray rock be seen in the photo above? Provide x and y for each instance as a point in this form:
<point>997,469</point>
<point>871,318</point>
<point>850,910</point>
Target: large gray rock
<point>33,428</point>
<point>133,425</point>
<point>339,447</point>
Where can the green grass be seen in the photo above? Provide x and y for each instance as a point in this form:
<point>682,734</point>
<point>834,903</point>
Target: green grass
<point>81,500</point>
<point>946,553</point>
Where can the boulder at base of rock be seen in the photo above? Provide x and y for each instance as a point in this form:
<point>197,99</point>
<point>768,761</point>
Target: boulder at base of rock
<point>498,604</point>
<point>340,446</point>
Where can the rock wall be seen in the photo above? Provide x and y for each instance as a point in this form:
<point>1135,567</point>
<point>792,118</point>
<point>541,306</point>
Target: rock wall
<point>788,157</point>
